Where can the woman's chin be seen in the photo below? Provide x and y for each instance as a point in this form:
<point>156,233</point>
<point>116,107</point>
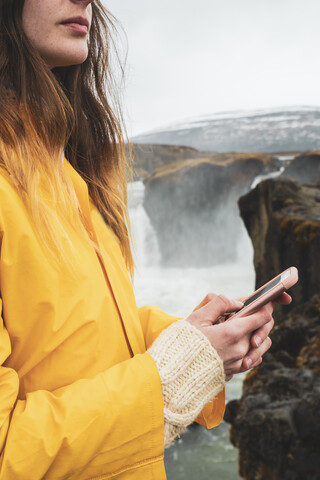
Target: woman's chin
<point>67,59</point>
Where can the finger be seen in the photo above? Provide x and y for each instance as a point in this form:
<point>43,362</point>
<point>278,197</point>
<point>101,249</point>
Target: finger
<point>232,368</point>
<point>254,321</point>
<point>242,299</point>
<point>268,306</point>
<point>283,299</point>
<point>255,354</point>
<point>258,362</point>
<point>219,306</point>
<point>207,299</point>
<point>261,334</point>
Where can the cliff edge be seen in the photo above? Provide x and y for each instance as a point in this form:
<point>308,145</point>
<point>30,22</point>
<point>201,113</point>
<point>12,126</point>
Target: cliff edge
<point>276,423</point>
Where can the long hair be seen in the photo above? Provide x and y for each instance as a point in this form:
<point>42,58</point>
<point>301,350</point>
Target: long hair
<point>73,110</point>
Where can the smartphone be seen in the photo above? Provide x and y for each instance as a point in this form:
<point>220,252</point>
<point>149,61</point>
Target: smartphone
<point>268,292</point>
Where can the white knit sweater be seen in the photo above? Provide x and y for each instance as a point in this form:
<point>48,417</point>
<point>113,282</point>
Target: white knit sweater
<point>191,374</point>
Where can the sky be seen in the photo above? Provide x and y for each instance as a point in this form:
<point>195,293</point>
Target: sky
<point>187,58</point>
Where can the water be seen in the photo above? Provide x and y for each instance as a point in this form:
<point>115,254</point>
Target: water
<point>200,454</point>
<point>259,178</point>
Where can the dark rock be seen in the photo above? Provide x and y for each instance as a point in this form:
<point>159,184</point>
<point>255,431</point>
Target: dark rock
<point>193,203</point>
<point>283,220</point>
<point>276,423</point>
<point>304,168</point>
<point>307,418</point>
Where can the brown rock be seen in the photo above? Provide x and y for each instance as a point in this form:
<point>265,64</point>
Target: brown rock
<point>304,168</point>
<point>146,158</point>
<point>283,221</point>
<point>276,423</point>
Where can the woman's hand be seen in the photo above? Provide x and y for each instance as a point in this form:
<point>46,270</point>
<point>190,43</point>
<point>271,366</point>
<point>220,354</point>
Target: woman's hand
<point>233,339</point>
<point>254,357</point>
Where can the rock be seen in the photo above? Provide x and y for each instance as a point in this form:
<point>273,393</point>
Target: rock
<point>283,220</point>
<point>192,205</point>
<point>276,423</point>
<point>147,158</point>
<point>304,168</point>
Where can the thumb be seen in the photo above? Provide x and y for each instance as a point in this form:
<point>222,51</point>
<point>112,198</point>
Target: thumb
<point>218,308</point>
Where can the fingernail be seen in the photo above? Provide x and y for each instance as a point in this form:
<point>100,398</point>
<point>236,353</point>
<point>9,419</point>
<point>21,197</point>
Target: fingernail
<point>258,341</point>
<point>249,362</point>
<point>238,304</point>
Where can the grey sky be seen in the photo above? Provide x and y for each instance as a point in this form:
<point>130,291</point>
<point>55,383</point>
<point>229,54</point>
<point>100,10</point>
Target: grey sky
<point>187,58</point>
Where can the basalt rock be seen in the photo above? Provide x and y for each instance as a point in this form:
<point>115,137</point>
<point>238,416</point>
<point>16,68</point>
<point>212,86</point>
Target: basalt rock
<point>283,220</point>
<point>304,168</point>
<point>276,423</point>
<point>192,205</point>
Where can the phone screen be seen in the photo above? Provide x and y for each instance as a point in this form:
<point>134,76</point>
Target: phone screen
<point>268,287</point>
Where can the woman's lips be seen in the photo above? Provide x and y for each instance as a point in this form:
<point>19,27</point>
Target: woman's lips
<point>77,24</point>
<point>76,27</point>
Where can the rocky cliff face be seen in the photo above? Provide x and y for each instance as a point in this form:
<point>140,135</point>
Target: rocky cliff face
<point>304,168</point>
<point>147,158</point>
<point>192,205</point>
<point>283,220</point>
<point>276,423</point>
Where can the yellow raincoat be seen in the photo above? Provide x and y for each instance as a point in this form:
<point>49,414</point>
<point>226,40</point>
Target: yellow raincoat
<point>79,396</point>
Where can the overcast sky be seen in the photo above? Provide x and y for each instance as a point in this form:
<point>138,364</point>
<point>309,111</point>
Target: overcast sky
<point>194,57</point>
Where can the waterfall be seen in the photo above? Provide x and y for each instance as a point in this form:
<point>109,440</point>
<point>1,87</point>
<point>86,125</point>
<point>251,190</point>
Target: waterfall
<point>145,245</point>
<point>260,178</point>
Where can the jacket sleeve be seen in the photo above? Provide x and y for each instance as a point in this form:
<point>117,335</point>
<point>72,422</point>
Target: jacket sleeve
<point>154,321</point>
<point>108,423</point>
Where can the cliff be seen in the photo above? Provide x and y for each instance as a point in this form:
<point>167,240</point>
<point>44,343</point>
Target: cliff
<point>283,220</point>
<point>304,168</point>
<point>276,423</point>
<point>147,158</point>
<point>192,204</point>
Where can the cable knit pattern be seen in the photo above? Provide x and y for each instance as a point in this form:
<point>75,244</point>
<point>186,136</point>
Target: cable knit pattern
<point>191,374</point>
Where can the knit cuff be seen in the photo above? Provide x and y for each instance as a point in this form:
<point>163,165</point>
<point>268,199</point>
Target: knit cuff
<point>191,374</point>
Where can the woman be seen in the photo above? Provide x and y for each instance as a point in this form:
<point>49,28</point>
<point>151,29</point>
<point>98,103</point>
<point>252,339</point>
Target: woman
<point>89,386</point>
